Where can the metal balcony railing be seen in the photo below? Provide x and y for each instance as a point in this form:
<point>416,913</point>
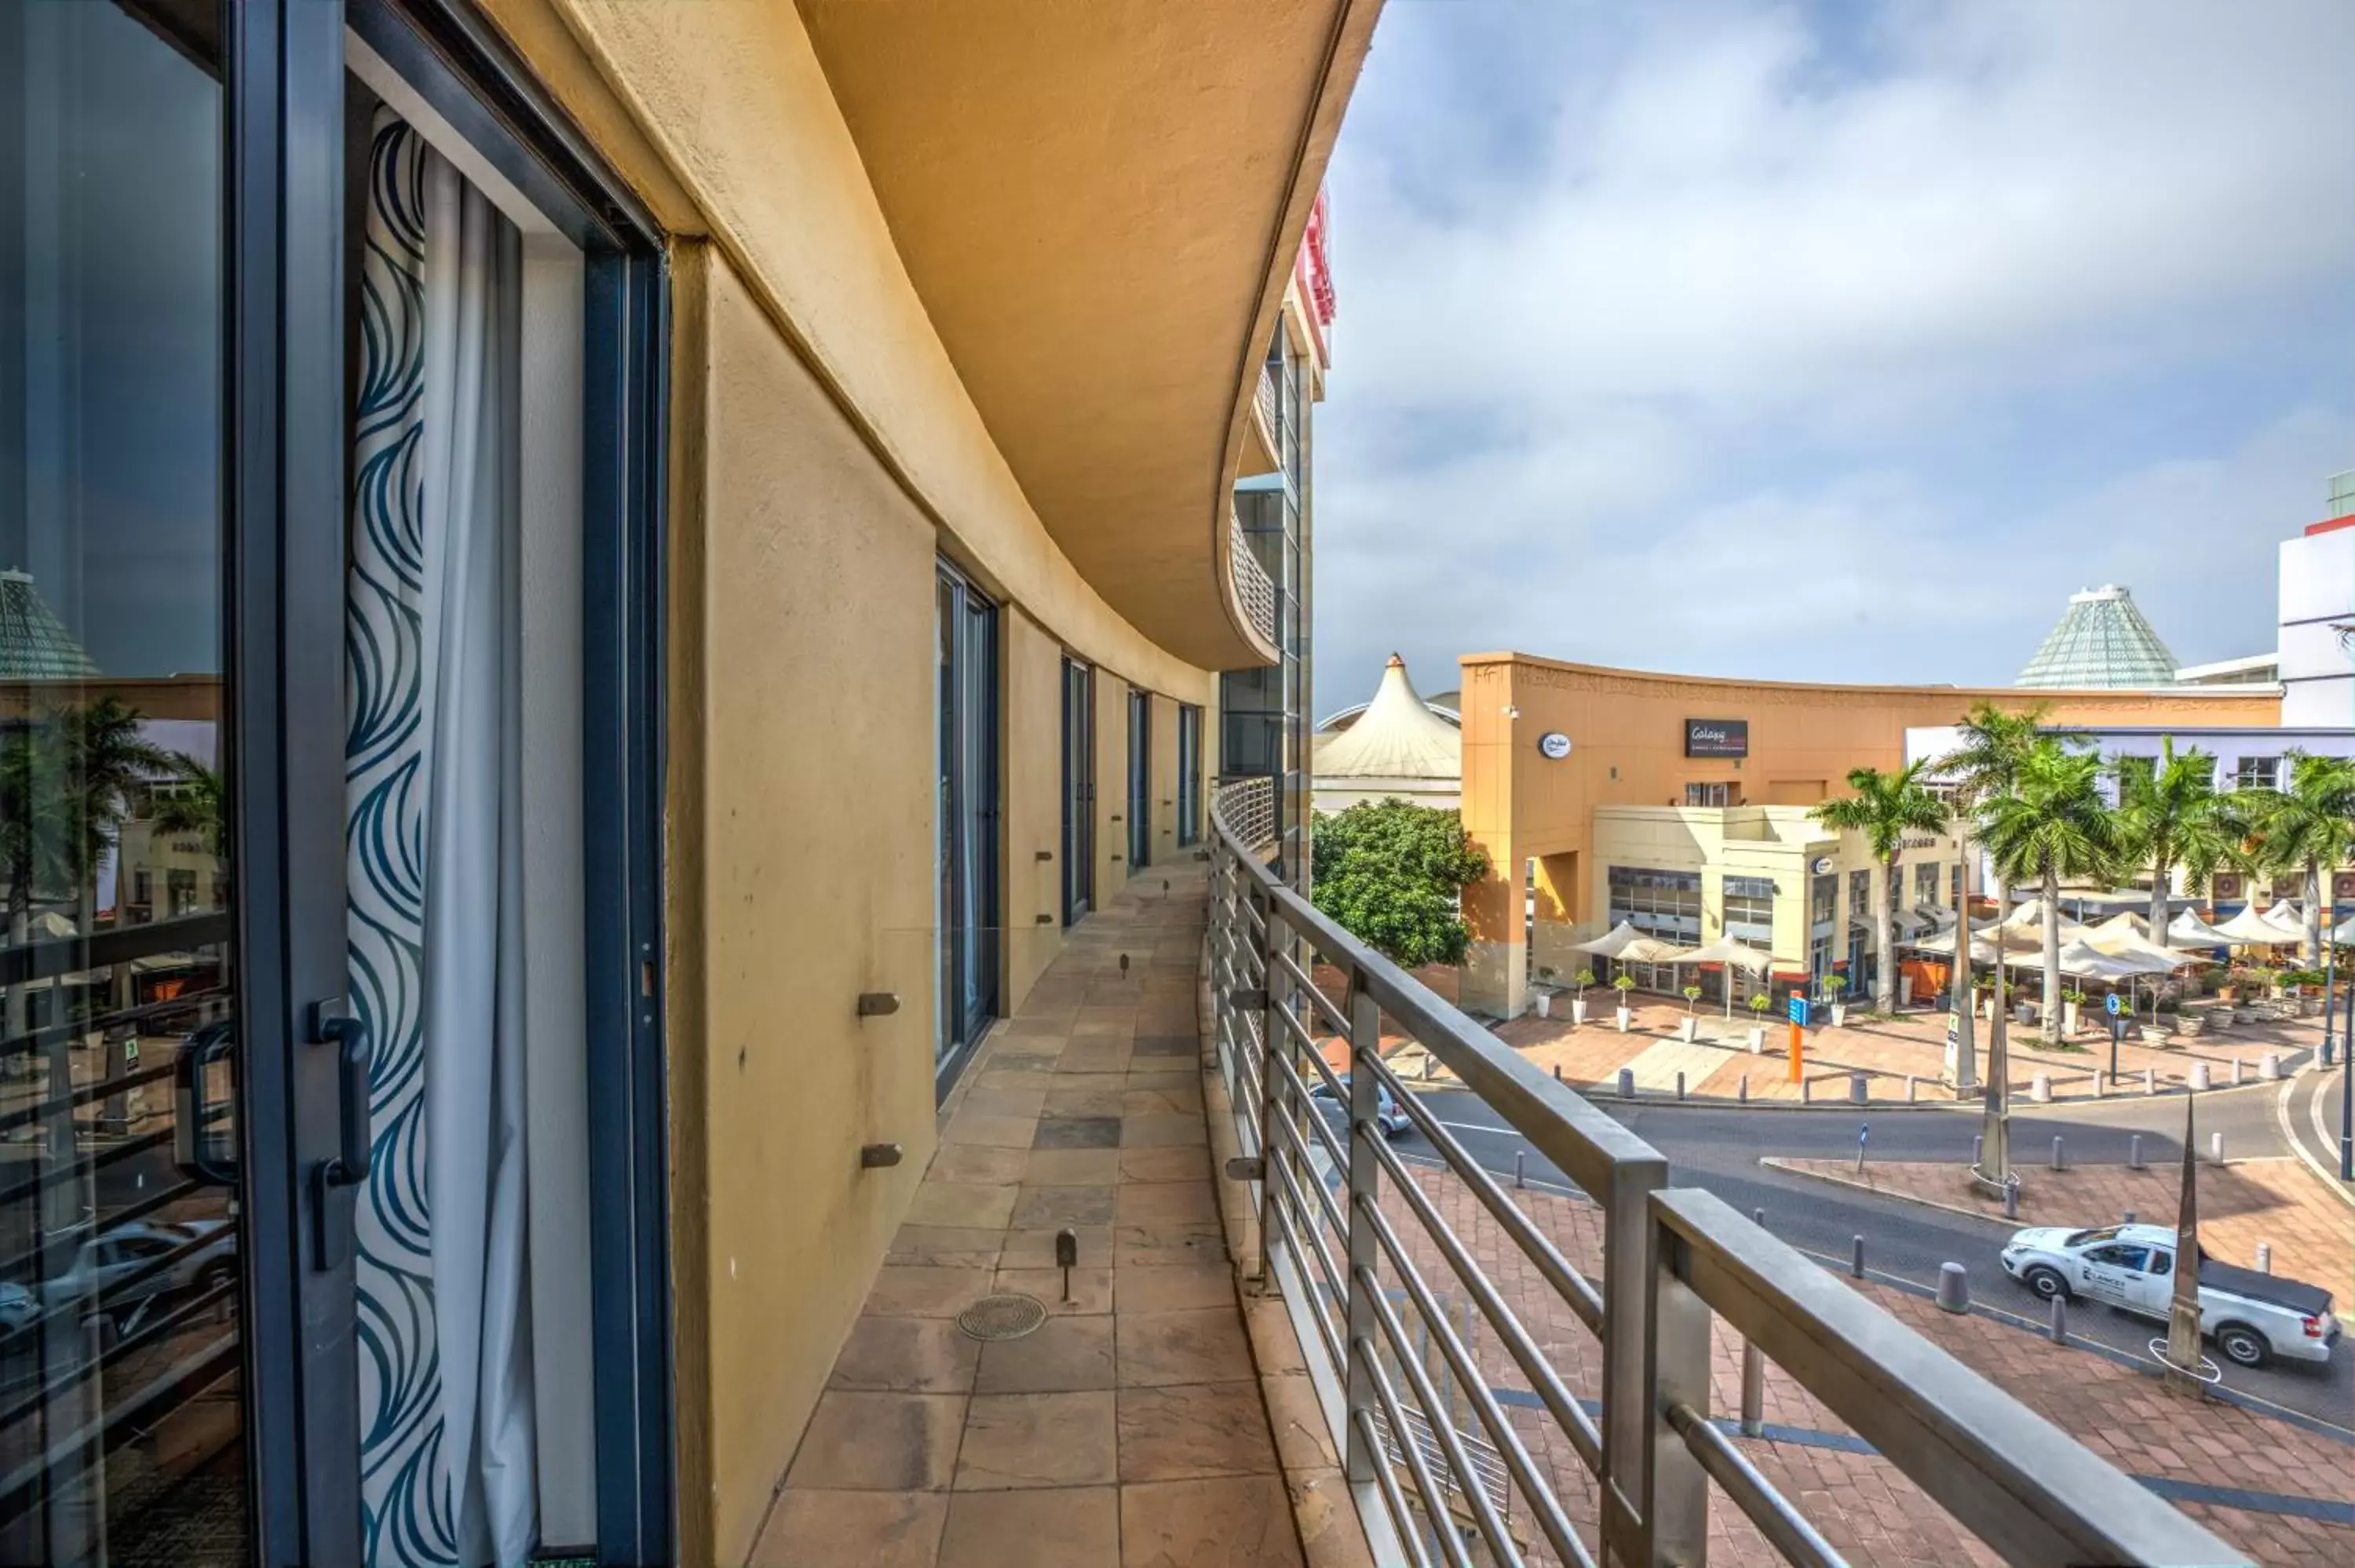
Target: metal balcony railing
<point>1358,1249</point>
<point>1255,589</point>
<point>1245,808</point>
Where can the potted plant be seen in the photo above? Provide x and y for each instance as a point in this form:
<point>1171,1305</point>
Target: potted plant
<point>1690,1025</point>
<point>1578,1002</point>
<point>1761,1004</point>
<point>1545,995</point>
<point>2073,1005</point>
<point>1983,992</point>
<point>1837,984</point>
<point>1623,984</point>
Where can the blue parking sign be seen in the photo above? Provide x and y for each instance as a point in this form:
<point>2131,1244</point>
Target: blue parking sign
<point>1799,1010</point>
<point>2110,1004</point>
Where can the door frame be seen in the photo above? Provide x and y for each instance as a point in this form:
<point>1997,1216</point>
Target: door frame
<point>1079,788</point>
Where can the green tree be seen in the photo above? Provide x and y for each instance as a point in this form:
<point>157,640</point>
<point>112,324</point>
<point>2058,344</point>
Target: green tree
<point>2307,827</point>
<point>2054,824</point>
<point>1885,807</point>
<point>1393,876</point>
<point>2171,815</point>
<point>196,806</point>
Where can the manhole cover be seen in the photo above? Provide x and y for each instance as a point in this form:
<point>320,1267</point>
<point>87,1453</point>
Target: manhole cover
<point>1007,1317</point>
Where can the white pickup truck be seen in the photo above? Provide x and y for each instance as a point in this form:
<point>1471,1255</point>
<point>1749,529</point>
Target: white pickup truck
<point>2252,1317</point>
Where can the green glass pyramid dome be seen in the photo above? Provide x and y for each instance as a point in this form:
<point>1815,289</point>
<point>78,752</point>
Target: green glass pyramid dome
<point>34,644</point>
<point>2102,641</point>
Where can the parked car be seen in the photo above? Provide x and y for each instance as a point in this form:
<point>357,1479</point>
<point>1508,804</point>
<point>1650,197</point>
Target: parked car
<point>1386,1115</point>
<point>118,1252</point>
<point>2252,1317</point>
<point>18,1307</point>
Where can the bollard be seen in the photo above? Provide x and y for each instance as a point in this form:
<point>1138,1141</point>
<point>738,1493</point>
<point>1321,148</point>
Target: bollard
<point>1742,1091</point>
<point>2216,1148</point>
<point>2150,1080</point>
<point>2236,1071</point>
<point>2264,1257</point>
<point>2061,1318</point>
<point>2059,1161</point>
<point>1979,1149</point>
<point>2269,1066</point>
<point>1557,1071</point>
<point>1859,1089</point>
<point>1626,1083</point>
<point>2040,1088</point>
<point>1681,1083</point>
<point>1806,1091</point>
<point>2134,1153</point>
<point>2126,1217</point>
<point>1909,1088</point>
<point>1754,1391</point>
<point>2011,1197</point>
<point>1517,1156</point>
<point>1954,1288</point>
<point>1855,1256</point>
<point>2199,1076</point>
<point>1758,1218</point>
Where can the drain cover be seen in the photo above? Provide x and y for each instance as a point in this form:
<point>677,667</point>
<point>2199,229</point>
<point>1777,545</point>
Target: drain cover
<point>1007,1317</point>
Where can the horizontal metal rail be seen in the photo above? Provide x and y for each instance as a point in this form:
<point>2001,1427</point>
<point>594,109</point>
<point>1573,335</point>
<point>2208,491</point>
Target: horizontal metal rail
<point>1332,1192</point>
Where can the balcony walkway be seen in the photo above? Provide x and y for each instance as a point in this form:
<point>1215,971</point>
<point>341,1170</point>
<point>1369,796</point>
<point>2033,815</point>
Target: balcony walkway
<point>1130,1428</point>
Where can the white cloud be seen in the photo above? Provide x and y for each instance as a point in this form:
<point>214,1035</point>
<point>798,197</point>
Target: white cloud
<point>1643,307</point>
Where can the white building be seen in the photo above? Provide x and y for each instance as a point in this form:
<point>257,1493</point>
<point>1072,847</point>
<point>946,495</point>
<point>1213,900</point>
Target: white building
<point>2318,616</point>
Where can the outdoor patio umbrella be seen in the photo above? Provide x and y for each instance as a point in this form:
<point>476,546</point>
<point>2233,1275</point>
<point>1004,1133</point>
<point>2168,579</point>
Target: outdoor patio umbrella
<point>2290,916</point>
<point>1726,950</point>
<point>2122,935</point>
<point>2029,916</point>
<point>1610,943</point>
<point>2189,931</point>
<point>2251,929</point>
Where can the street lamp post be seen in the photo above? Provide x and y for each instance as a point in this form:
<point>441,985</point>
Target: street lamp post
<point>2330,980</point>
<point>2347,1095</point>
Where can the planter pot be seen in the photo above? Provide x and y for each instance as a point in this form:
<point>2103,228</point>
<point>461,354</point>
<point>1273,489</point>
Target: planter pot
<point>1578,1009</point>
<point>2068,1018</point>
<point>1545,1005</point>
<point>2155,1033</point>
<point>2309,1007</point>
<point>2190,1024</point>
<point>1839,1015</point>
<point>1687,1028</point>
<point>1905,990</point>
<point>1758,1041</point>
<point>1625,1017</point>
<point>2228,993</point>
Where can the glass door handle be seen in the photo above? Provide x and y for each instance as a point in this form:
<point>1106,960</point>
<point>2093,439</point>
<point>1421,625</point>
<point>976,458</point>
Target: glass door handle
<point>192,1113</point>
<point>333,1024</point>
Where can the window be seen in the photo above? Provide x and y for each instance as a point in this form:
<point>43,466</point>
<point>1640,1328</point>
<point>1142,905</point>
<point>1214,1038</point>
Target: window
<point>179,893</point>
<point>1955,885</point>
<point>2257,773</point>
<point>1663,904</point>
<point>1712,794</point>
<point>968,822</point>
<point>1079,788</point>
<point>2121,1254</point>
<point>1750,908</point>
<point>1925,885</point>
<point>2133,771</point>
<point>1190,773</point>
<point>1140,780</point>
<point>1860,895</point>
<point>1823,901</point>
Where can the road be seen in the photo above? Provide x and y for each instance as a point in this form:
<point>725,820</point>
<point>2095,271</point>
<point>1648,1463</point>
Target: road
<point>2315,1115</point>
<point>1720,1151</point>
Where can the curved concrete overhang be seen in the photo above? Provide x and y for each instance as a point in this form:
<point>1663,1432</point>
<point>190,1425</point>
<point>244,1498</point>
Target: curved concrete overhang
<point>1099,203</point>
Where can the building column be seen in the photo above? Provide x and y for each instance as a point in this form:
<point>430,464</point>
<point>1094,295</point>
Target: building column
<point>1559,924</point>
<point>1496,980</point>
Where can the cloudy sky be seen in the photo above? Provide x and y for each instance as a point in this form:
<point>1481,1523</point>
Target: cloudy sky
<point>1835,340</point>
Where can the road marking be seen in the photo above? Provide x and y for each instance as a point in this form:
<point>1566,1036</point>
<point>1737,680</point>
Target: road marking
<point>2329,1177</point>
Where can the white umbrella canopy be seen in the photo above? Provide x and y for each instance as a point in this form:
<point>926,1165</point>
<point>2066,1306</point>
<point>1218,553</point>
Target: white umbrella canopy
<point>2188,929</point>
<point>2249,929</point>
<point>2029,916</point>
<point>2082,961</point>
<point>2290,916</point>
<point>1726,950</point>
<point>1651,950</point>
<point>1611,943</point>
<point>2122,936</point>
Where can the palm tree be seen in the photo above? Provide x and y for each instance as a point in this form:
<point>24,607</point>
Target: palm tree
<point>2054,824</point>
<point>2307,827</point>
<point>196,806</point>
<point>2171,815</point>
<point>1884,808</point>
<point>1983,768</point>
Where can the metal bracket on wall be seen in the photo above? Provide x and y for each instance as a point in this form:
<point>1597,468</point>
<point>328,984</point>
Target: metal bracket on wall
<point>1246,1167</point>
<point>877,1004</point>
<point>1046,855</point>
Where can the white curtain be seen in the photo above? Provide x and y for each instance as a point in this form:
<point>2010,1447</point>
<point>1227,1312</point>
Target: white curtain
<point>435,870</point>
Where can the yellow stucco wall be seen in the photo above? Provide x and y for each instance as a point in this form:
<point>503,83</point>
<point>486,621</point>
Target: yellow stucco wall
<point>1034,804</point>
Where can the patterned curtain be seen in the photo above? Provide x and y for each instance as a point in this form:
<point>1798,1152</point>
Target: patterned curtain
<point>433,869</point>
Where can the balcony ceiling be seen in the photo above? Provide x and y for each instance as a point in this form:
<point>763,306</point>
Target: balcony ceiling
<point>1099,202</point>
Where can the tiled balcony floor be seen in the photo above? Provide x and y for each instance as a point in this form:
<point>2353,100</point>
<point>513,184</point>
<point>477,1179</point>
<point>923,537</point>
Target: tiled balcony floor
<point>1130,1429</point>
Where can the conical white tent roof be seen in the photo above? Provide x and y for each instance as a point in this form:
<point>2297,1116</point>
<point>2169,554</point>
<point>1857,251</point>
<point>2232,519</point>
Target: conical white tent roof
<point>1726,950</point>
<point>2121,936</point>
<point>1395,737</point>
<point>2191,931</point>
<point>2249,929</point>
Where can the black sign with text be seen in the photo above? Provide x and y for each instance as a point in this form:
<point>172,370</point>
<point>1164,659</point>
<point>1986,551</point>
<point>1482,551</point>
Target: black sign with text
<point>1717,738</point>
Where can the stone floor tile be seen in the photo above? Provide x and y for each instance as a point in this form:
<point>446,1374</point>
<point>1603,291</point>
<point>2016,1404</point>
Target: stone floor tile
<point>946,1246</point>
<point>1181,1288</point>
<point>925,1290</point>
<point>978,1162</point>
<point>907,1355</point>
<point>1236,1521</point>
<point>1176,1099</point>
<point>876,1530</point>
<point>1036,1249</point>
<point>1063,1355</point>
<point>1037,1440</point>
<point>1006,1098</point>
<point>1303,1441</point>
<point>1168,1203</point>
<point>1169,1246</point>
<point>1073,1167</point>
<point>879,1442</point>
<point>1063,1102</point>
<point>1046,1208</point>
<point>1078,1132</point>
<point>1162,1131</point>
<point>1168,1045</point>
<point>1091,1289</point>
<point>1059,1527</point>
<point>1174,1434</point>
<point>978,1126</point>
<point>1158,1348</point>
<point>975,1205</point>
<point>1180,1164</point>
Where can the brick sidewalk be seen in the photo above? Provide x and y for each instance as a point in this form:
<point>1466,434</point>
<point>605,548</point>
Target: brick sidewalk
<point>1864,1506</point>
<point>2243,1202</point>
<point>1889,1051</point>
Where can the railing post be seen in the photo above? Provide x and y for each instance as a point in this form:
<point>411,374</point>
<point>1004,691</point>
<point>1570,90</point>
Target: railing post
<point>1274,992</point>
<point>1627,1332</point>
<point>1674,1497</point>
<point>1365,1189</point>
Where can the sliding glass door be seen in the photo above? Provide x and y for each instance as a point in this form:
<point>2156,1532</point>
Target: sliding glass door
<point>967,987</point>
<point>1189,774</point>
<point>1079,788</point>
<point>1140,780</point>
